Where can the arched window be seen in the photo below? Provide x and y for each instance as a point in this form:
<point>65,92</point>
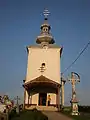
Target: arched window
<point>43,64</point>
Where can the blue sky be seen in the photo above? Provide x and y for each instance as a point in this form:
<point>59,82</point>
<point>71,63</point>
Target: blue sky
<point>20,22</point>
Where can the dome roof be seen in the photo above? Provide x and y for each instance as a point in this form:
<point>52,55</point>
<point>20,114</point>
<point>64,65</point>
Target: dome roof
<point>45,35</point>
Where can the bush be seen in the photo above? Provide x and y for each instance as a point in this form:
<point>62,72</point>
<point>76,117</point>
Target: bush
<point>13,114</point>
<point>85,109</point>
<point>28,115</point>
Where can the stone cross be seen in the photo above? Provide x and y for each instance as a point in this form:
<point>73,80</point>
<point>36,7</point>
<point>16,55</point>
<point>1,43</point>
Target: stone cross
<point>75,78</point>
<point>17,99</point>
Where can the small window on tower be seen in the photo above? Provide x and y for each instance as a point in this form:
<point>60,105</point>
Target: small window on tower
<point>46,29</point>
<point>43,64</point>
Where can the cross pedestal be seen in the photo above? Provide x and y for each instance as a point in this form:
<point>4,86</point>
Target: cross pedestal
<point>74,106</point>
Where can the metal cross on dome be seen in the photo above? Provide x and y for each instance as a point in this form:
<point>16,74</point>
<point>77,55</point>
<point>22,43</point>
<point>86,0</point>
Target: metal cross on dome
<point>46,13</point>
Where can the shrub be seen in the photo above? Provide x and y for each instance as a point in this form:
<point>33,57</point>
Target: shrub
<point>28,115</point>
<point>12,114</point>
<point>85,109</point>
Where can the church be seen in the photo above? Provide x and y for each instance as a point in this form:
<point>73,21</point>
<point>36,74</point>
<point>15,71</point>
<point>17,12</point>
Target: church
<point>42,84</point>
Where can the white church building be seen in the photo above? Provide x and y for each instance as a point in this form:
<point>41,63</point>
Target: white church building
<point>42,84</point>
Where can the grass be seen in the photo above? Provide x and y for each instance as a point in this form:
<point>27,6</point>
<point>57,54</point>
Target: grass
<point>37,115</point>
<point>82,116</point>
<point>29,115</point>
<point>86,117</point>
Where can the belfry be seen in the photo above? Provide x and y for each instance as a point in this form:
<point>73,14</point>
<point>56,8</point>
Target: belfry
<point>42,84</point>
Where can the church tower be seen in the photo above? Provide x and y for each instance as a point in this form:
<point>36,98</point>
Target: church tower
<point>43,81</point>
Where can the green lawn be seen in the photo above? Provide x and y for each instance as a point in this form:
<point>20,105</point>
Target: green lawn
<point>37,115</point>
<point>83,116</point>
<point>86,117</point>
<point>29,115</point>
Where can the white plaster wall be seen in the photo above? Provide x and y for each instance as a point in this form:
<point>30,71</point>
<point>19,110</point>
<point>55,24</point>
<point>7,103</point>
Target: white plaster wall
<point>35,98</point>
<point>37,56</point>
<point>53,98</point>
<point>26,98</point>
<point>30,99</point>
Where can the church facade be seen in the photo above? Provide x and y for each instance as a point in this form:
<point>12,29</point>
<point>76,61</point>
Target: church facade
<point>42,84</point>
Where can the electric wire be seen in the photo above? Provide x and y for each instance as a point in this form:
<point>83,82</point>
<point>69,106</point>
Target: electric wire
<point>77,57</point>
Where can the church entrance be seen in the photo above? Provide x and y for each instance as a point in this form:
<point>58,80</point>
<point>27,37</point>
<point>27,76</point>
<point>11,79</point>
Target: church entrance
<point>42,99</point>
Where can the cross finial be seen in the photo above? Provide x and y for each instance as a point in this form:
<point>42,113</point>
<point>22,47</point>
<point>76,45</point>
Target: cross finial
<point>46,13</point>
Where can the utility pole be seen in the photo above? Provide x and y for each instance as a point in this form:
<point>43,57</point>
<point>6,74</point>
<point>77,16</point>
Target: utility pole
<point>63,81</point>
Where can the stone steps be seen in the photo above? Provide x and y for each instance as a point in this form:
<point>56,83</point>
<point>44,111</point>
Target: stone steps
<point>43,108</point>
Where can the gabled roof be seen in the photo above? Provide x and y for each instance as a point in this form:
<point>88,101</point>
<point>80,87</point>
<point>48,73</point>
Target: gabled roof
<point>41,80</point>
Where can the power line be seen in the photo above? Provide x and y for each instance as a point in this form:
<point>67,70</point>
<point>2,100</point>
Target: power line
<point>77,57</point>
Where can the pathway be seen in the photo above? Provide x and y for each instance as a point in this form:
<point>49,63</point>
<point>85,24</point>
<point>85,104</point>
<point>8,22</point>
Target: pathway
<point>55,116</point>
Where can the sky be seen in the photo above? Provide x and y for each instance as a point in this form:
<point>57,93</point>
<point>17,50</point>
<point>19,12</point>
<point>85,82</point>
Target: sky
<point>20,22</point>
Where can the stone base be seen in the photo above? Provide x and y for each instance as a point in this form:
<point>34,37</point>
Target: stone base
<point>75,113</point>
<point>74,106</point>
<point>42,108</point>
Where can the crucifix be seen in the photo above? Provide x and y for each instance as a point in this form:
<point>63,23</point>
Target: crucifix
<point>75,78</point>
